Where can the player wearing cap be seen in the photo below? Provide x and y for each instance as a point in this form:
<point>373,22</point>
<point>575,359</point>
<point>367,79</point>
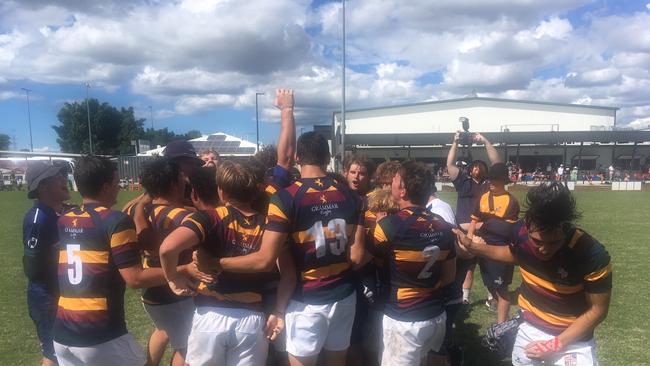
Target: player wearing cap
<point>98,254</point>
<point>48,186</point>
<point>566,280</point>
<point>420,249</point>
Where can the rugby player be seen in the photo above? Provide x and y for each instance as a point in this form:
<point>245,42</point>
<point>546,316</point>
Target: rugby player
<point>170,313</point>
<point>497,210</point>
<point>210,158</point>
<point>566,280</point>
<point>420,249</point>
<point>358,171</point>
<point>385,173</point>
<point>229,326</point>
<point>470,187</point>
<point>48,186</point>
<point>321,218</point>
<point>98,254</point>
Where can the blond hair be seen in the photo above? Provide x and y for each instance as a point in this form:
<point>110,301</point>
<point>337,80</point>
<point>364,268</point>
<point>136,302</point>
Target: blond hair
<point>381,200</point>
<point>236,181</point>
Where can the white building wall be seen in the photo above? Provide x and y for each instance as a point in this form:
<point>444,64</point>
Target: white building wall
<point>484,116</point>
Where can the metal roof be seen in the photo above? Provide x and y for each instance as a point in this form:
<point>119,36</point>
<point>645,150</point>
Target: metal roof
<point>500,100</point>
<point>511,138</point>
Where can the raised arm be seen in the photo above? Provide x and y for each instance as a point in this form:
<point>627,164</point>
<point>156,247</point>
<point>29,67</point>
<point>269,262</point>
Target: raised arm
<point>287,141</point>
<point>452,169</point>
<point>492,153</point>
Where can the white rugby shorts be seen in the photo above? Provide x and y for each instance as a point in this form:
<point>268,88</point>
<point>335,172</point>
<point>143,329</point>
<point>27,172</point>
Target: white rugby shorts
<point>123,350</point>
<point>311,328</point>
<point>406,343</point>
<point>175,319</point>
<point>227,336</point>
<point>577,354</point>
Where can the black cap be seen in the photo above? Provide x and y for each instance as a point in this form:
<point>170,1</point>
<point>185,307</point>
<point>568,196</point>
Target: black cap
<point>499,171</point>
<point>37,171</point>
<point>180,149</point>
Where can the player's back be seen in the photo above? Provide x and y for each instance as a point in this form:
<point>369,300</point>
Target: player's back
<point>320,216</point>
<point>162,220</point>
<point>417,243</point>
<point>94,243</point>
<point>227,232</point>
<point>498,213</point>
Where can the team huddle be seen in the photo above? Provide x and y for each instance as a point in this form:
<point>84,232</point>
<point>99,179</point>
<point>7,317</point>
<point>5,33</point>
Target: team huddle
<point>255,262</point>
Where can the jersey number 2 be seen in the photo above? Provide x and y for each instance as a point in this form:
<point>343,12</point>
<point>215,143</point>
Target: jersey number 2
<point>75,274</point>
<point>431,254</point>
<point>337,247</point>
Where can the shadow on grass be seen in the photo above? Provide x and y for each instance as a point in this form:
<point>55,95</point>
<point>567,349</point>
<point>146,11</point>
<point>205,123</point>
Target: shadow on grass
<point>469,337</point>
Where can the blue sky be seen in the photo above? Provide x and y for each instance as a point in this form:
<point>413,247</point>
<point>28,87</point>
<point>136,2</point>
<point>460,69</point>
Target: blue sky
<point>198,63</point>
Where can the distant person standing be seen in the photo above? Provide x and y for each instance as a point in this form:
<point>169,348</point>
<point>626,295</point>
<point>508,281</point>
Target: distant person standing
<point>470,186</point>
<point>47,185</point>
<point>560,173</point>
<point>611,172</point>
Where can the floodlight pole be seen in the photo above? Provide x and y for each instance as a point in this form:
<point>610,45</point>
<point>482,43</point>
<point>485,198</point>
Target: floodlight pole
<point>153,135</point>
<point>90,136</point>
<point>257,122</point>
<point>343,88</point>
<point>29,121</point>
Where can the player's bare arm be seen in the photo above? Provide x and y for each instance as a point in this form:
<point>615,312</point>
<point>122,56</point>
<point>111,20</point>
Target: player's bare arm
<point>177,241</point>
<point>261,261</point>
<point>492,153</point>
<point>585,324</point>
<point>477,246</point>
<point>452,169</point>
<point>358,254</point>
<point>287,141</point>
<point>286,287</point>
<point>138,277</point>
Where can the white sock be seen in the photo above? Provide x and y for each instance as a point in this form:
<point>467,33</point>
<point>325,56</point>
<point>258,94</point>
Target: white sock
<point>490,297</point>
<point>466,294</point>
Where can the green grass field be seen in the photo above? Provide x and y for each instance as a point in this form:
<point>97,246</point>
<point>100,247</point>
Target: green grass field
<point>617,219</point>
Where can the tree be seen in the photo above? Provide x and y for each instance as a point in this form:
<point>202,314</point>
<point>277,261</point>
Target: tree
<point>112,129</point>
<point>164,136</point>
<point>5,141</point>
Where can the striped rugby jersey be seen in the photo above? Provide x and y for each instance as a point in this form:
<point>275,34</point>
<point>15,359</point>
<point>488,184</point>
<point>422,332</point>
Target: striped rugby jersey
<point>552,292</point>
<point>320,216</point>
<point>498,213</point>
<point>94,243</point>
<point>226,232</point>
<point>416,243</point>
<point>162,220</point>
<point>277,178</point>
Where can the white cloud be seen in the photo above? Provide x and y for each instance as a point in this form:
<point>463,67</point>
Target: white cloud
<point>197,55</point>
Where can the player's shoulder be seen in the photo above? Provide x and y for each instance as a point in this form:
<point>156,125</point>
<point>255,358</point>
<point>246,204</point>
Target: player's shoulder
<point>585,245</point>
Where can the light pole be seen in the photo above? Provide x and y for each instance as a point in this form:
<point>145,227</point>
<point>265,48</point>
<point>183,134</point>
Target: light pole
<point>153,135</point>
<point>151,115</point>
<point>90,136</point>
<point>257,123</point>
<point>343,88</point>
<point>29,120</point>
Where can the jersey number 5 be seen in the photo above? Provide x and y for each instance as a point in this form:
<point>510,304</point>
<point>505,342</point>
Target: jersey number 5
<point>337,247</point>
<point>431,254</point>
<point>75,273</point>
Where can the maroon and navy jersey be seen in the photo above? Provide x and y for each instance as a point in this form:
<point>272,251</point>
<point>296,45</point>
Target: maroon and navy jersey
<point>552,292</point>
<point>162,220</point>
<point>498,213</point>
<point>95,242</point>
<point>416,243</point>
<point>226,232</point>
<point>277,178</point>
<point>320,216</point>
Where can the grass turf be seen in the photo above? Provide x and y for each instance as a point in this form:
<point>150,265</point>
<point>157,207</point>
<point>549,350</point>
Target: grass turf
<point>616,219</point>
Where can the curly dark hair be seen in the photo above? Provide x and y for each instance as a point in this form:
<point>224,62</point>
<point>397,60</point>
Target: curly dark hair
<point>418,181</point>
<point>91,173</point>
<point>268,156</point>
<point>159,175</point>
<point>550,206</point>
<point>203,181</point>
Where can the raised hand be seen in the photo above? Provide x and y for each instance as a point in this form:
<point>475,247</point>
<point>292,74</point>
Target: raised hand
<point>283,99</point>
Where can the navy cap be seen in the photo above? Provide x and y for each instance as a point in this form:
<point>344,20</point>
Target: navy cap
<point>37,171</point>
<point>180,149</point>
